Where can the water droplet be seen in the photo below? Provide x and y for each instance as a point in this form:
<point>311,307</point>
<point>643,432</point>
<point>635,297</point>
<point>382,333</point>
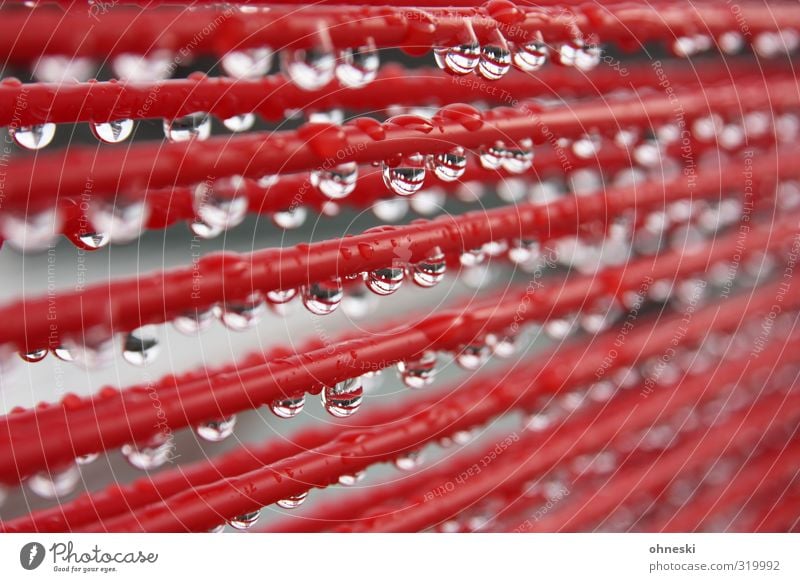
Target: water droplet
<point>337,182</point>
<point>586,146</point>
<point>344,399</point>
<point>217,430</point>
<point>33,137</point>
<point>143,68</point>
<point>350,480</point>
<point>63,69</point>
<point>449,166</point>
<point>141,346</point>
<point>194,322</point>
<point>531,56</point>
<point>472,357</point>
<point>524,251</point>
<point>430,270</point>
<point>31,233</point>
<point>280,296</point>
<point>56,484</point>
<point>219,206</point>
<point>404,175</point>
<point>192,126</point>
<point>491,157</point>
<point>94,240</point>
<point>288,407</point>
<point>244,314</point>
<point>518,159</point>
<point>601,316</point>
<point>245,521</point>
<point>409,461</point>
<point>559,329</point>
<point>458,60</point>
<point>358,67</point>
<point>502,346</point>
<point>418,372</point>
<point>34,356</point>
<point>248,63</point>
<point>495,59</point>
<point>239,123</point>
<point>391,209</point>
<point>428,202</point>
<point>310,69</point>
<point>323,297</point>
<point>581,55</point>
<point>121,221</point>
<point>290,219</point>
<point>148,456</point>
<point>113,131</point>
<point>63,354</point>
<point>385,281</point>
<point>473,258</point>
<point>87,459</point>
<point>293,501</point>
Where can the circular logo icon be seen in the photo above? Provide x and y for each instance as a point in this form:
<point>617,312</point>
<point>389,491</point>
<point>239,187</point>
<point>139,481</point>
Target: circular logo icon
<point>31,555</point>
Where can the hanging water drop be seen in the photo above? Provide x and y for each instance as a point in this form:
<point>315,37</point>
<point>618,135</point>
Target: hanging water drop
<point>290,219</point>
<point>239,123</point>
<point>122,221</point>
<point>141,346</point>
<point>34,355</point>
<point>323,297</point>
<point>92,353</point>
<point>409,461</point>
<point>87,459</point>
<point>244,521</point>
<point>502,346</point>
<point>431,270</point>
<point>222,204</point>
<point>518,159</point>
<point>337,182</point>
<point>33,137</point>
<point>449,166</point>
<point>63,69</point>
<point>280,296</point>
<point>344,399</point>
<point>473,257</point>
<point>244,314</point>
<point>358,67</point>
<point>310,69</point>
<point>288,407</point>
<point>94,240</point>
<point>248,63</point>
<point>531,56</point>
<point>293,501</point>
<point>458,60</point>
<point>218,430</point>
<point>473,357</point>
<point>404,175</point>
<point>352,479</point>
<point>52,485</point>
<point>192,126</point>
<point>495,58</point>
<point>148,456</point>
<point>418,372</point>
<point>579,54</point>
<point>524,251</point>
<point>386,280</point>
<point>143,68</point>
<point>31,233</point>
<point>113,131</point>
<point>194,322</point>
<point>491,157</point>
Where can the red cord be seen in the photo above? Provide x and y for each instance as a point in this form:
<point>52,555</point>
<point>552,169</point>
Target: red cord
<point>80,32</point>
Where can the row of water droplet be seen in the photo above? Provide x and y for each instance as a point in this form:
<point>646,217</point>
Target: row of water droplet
<point>493,60</point>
